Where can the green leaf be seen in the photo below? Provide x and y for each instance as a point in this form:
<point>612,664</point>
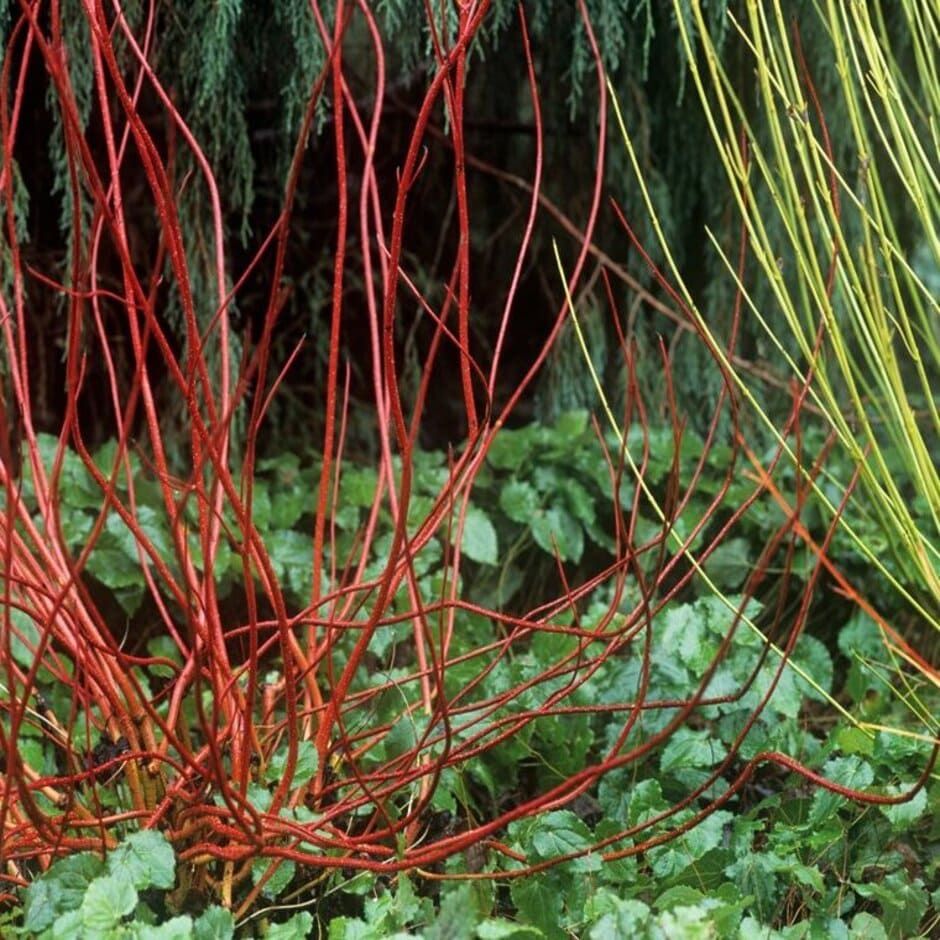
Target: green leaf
<point>685,635</point>
<point>498,928</point>
<point>592,862</point>
<point>24,638</point>
<point>297,928</point>
<point>902,901</point>
<point>401,737</point>
<point>35,753</point>
<point>851,740</point>
<point>107,901</point>
<point>688,748</point>
<point>76,525</point>
<point>538,904</point>
<point>676,856</point>
<point>146,858</point>
<point>304,768</point>
<point>280,878</point>
<point>420,508</point>
<point>861,636</point>
<point>559,833</point>
<point>114,567</point>
<point>66,927</point>
<point>406,905</point>
<point>216,923</point>
<point>357,486</point>
<point>903,815</point>
<point>163,647</point>
<point>678,896</point>
<point>786,698</point>
<point>431,473</point>
<point>556,524</point>
<point>690,923</point>
<point>519,500</point>
<point>763,876</point>
<point>730,563</point>
<point>847,772</point>
<point>261,508</point>
<point>78,485</point>
<point>484,776</point>
<point>550,479</point>
<point>896,750</point>
<point>457,917</point>
<point>646,801</point>
<point>630,918</point>
<point>287,506</point>
<point>292,557</point>
<point>867,927</point>
<point>661,448</point>
<point>478,541</point>
<point>348,517</point>
<point>260,797</point>
<point>176,928</point>
<point>59,890</point>
<point>814,659</point>
<point>580,502</point>
<point>571,424</point>
<point>152,527</point>
<point>42,903</point>
<point>509,449</point>
<point>352,928</point>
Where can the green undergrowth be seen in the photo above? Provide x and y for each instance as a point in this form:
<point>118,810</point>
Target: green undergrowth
<point>780,858</point>
<point>544,489</point>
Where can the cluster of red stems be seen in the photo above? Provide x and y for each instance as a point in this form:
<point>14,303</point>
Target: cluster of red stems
<point>193,786</point>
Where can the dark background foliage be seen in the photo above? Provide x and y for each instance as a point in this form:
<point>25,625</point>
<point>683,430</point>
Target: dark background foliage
<point>241,73</point>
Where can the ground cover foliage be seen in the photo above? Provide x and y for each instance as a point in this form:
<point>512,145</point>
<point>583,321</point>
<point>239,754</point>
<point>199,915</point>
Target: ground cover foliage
<point>656,664</point>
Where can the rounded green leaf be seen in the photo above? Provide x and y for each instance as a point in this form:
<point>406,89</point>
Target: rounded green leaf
<point>176,928</point>
<point>59,890</point>
<point>478,542</point>
<point>146,858</point>
<point>24,638</point>
<point>43,898</point>
<point>214,924</point>
<point>903,815</point>
<point>572,424</point>
<point>519,500</point>
<point>280,878</point>
<point>556,529</point>
<point>107,901</point>
<point>297,928</point>
<point>304,768</point>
